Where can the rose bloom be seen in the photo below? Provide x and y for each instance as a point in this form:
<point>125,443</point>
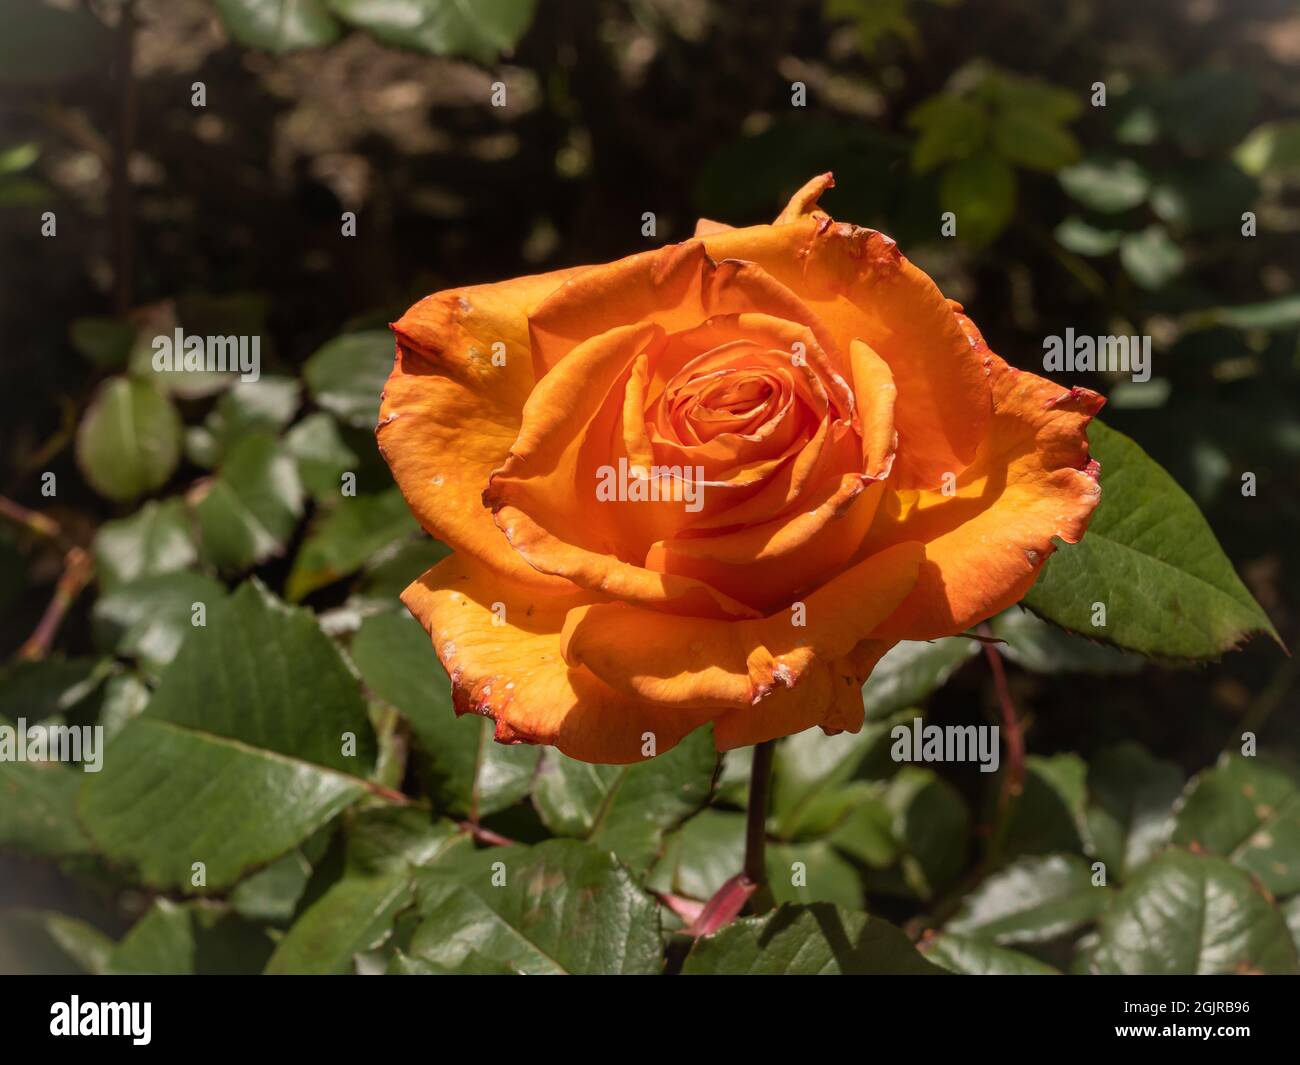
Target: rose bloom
<point>715,482</point>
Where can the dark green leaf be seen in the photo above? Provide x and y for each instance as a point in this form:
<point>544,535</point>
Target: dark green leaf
<point>1151,559</point>
<point>339,543</point>
<point>1029,139</point>
<point>472,776</point>
<point>1187,914</point>
<point>1248,811</point>
<point>183,939</point>
<point>43,45</point>
<point>155,539</point>
<point>347,375</point>
<point>951,128</point>
<point>626,808</point>
<point>149,618</point>
<point>1033,900</point>
<point>105,342</point>
<point>169,797</point>
<point>1130,801</point>
<point>564,907</point>
<point>322,454</point>
<point>979,957</point>
<point>250,510</point>
<point>807,941</point>
<point>1040,647</point>
<point>38,806</point>
<point>264,674</point>
<point>981,193</point>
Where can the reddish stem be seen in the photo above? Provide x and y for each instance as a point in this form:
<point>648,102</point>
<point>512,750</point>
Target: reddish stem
<point>78,571</point>
<point>1013,780</point>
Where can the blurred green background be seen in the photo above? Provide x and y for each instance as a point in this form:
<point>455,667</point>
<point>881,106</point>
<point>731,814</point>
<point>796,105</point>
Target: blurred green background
<point>1124,219</point>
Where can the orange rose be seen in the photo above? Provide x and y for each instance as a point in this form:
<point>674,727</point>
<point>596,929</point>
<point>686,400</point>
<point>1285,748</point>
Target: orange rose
<point>716,482</point>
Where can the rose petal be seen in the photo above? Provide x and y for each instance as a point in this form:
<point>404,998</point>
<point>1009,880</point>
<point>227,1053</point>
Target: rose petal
<point>1032,481</point>
<point>511,670</point>
<point>450,413</point>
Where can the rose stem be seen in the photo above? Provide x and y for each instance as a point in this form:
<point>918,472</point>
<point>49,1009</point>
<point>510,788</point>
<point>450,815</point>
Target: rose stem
<point>760,783</point>
<point>1013,782</point>
<point>78,571</point>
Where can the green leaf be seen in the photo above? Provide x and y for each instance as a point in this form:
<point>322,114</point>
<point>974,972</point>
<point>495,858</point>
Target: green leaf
<point>1033,900</point>
<point>482,30</point>
<point>1273,148</point>
<point>702,855</point>
<point>1208,108</point>
<point>129,440</point>
<point>930,826</point>
<point>1049,815</point>
<point>1034,141</point>
<point>250,510</point>
<point>1130,801</point>
<point>38,807</point>
<point>1187,914</point>
<point>471,775</point>
<point>979,957</point>
<point>357,913</point>
<point>1150,557</point>
<point>1049,103</point>
<point>1150,257</point>
<point>1040,647</point>
<point>323,456</point>
<point>341,541</point>
<point>264,674</point>
<point>279,25</point>
<point>626,808</point>
<point>1203,197</point>
<point>1078,236</point>
<point>270,895</point>
<point>43,45</point>
<point>266,405</point>
<point>347,375</point>
<point>981,192</point>
<point>155,539</point>
<point>812,871</point>
<point>105,342</point>
<point>390,572</point>
<point>1109,186</point>
<point>807,941</point>
<point>910,671</point>
<point>810,770</point>
<point>951,128</point>
<point>1247,811</point>
<point>49,686</point>
<point>148,619</point>
<point>1275,315</point>
<point>44,943</point>
<point>564,907</point>
<point>184,939</point>
<point>169,796</point>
